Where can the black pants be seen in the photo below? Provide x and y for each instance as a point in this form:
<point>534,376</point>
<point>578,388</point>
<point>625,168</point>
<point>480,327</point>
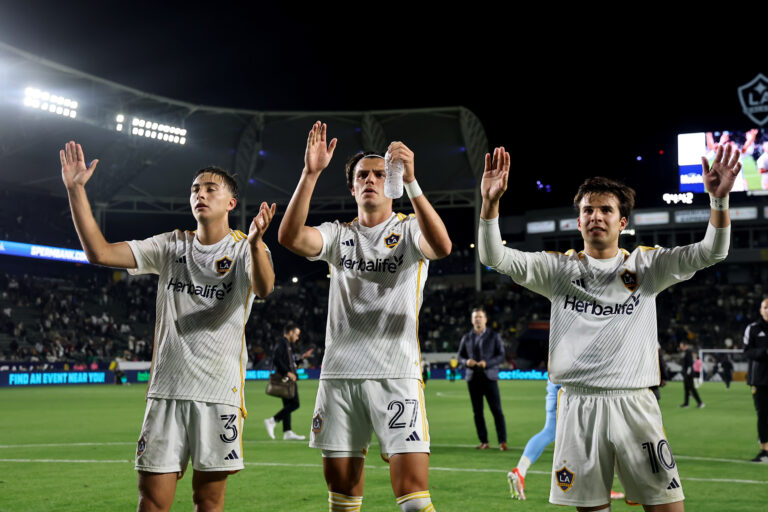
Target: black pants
<point>690,389</point>
<point>760,396</point>
<point>284,415</point>
<point>480,386</point>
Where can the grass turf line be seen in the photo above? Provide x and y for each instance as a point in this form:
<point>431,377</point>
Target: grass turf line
<point>101,423</point>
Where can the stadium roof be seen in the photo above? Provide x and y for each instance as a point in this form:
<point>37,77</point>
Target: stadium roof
<point>139,173</point>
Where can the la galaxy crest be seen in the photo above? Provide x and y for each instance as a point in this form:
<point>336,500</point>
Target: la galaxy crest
<point>317,424</point>
<point>564,478</point>
<point>392,240</point>
<point>223,265</point>
<point>141,446</point>
<point>629,279</point>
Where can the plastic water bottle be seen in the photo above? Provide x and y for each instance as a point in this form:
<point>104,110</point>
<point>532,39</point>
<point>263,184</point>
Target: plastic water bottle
<point>393,185</point>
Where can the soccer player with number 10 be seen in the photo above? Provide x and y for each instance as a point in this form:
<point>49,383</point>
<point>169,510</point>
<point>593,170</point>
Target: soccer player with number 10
<point>603,340</point>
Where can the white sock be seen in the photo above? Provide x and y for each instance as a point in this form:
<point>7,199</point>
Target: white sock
<point>418,501</point>
<point>523,465</point>
<point>338,502</point>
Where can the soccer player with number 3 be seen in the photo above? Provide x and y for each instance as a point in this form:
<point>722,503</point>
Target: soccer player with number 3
<point>207,282</point>
<point>603,340</point>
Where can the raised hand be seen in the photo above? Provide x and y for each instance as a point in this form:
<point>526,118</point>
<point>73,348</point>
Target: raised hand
<point>495,175</point>
<point>73,169</point>
<point>720,176</point>
<point>399,151</point>
<point>261,222</point>
<point>318,154</point>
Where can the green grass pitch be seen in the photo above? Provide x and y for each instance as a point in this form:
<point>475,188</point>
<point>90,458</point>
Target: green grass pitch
<point>71,448</point>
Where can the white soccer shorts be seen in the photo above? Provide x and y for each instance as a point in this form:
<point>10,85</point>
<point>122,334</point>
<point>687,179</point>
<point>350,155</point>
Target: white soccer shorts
<point>176,430</point>
<point>347,411</point>
<point>600,430</point>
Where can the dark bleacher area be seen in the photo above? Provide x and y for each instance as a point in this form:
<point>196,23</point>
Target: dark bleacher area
<point>64,312</point>
<point>52,311</point>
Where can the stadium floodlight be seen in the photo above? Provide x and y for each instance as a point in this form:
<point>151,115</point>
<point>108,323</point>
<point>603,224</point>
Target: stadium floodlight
<point>48,102</point>
<point>153,130</point>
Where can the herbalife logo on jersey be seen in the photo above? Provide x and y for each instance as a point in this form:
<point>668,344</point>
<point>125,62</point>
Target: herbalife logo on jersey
<point>593,308</point>
<point>207,291</point>
<point>378,265</point>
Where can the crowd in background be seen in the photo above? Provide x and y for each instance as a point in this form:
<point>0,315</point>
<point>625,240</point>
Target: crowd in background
<point>99,315</point>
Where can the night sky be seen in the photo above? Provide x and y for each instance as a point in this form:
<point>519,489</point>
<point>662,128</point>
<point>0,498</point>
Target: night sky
<point>569,99</point>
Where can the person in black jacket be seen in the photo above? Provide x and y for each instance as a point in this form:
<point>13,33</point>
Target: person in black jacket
<point>690,389</point>
<point>482,351</point>
<point>756,350</point>
<point>285,365</point>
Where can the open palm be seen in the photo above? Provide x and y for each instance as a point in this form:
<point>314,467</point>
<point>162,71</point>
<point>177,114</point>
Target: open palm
<point>73,168</point>
<point>318,154</point>
<point>495,175</point>
<point>721,175</point>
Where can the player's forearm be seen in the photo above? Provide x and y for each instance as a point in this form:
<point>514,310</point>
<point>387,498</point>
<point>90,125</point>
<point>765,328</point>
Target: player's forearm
<point>295,218</point>
<point>490,248</point>
<point>432,227</point>
<point>720,218</point>
<point>262,273</point>
<point>717,239</point>
<point>93,241</point>
<point>489,209</point>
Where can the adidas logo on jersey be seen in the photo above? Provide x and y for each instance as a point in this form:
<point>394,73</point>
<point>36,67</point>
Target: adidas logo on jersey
<point>580,283</point>
<point>378,265</point>
<point>207,291</point>
<point>673,484</point>
<point>232,456</point>
<point>183,260</point>
<point>413,437</point>
<point>593,308</point>
<point>349,243</point>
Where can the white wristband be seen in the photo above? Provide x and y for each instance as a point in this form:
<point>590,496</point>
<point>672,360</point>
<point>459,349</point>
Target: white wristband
<point>413,189</point>
<point>718,203</point>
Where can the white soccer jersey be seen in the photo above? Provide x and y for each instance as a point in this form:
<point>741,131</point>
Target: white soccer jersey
<point>603,318</point>
<point>204,298</point>
<point>376,290</point>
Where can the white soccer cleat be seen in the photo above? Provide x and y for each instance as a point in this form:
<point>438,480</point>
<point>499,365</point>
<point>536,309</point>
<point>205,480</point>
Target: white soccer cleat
<point>270,423</point>
<point>516,484</point>
<point>292,436</point>
<point>617,495</point>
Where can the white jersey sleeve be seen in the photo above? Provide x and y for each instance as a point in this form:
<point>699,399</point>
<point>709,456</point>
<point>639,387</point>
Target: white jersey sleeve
<point>204,298</point>
<point>532,270</point>
<point>671,266</point>
<point>330,232</point>
<point>150,253</point>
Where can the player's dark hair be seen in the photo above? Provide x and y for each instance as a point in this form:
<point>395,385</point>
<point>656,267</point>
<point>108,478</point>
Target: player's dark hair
<point>349,167</point>
<point>601,185</point>
<point>229,179</point>
<point>479,309</point>
<point>290,326</point>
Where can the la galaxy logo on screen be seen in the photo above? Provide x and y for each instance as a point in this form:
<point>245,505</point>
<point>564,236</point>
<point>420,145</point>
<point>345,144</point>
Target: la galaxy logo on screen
<point>754,99</point>
<point>223,265</point>
<point>564,478</point>
<point>392,240</point>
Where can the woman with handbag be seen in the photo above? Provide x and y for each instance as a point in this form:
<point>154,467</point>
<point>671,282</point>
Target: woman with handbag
<point>282,383</point>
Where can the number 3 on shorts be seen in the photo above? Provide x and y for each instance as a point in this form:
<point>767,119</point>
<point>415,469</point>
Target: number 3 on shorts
<point>399,409</point>
<point>229,424</point>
